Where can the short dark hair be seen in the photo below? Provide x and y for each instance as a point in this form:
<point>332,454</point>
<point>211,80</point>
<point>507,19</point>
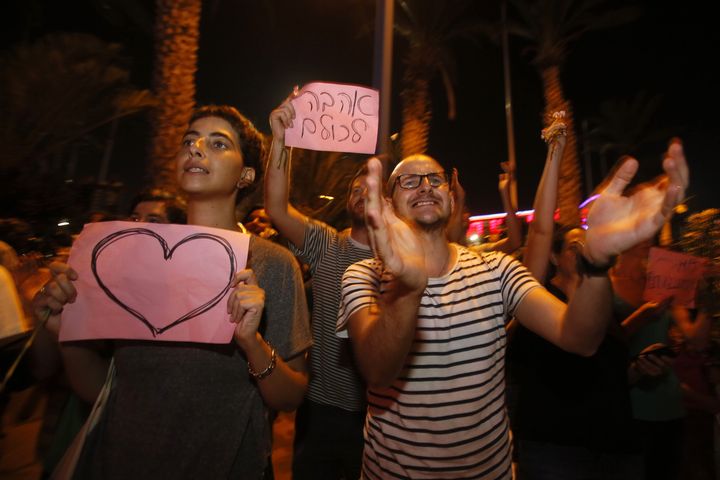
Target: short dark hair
<point>174,207</point>
<point>252,142</point>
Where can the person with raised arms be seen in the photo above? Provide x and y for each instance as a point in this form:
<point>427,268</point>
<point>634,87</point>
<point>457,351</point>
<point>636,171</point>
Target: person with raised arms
<point>427,318</point>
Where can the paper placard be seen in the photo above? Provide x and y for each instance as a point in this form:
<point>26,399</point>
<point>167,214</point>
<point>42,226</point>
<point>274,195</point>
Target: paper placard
<point>672,274</point>
<point>335,117</point>
<point>153,282</point>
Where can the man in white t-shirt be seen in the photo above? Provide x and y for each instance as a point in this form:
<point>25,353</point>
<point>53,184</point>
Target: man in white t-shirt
<point>426,318</point>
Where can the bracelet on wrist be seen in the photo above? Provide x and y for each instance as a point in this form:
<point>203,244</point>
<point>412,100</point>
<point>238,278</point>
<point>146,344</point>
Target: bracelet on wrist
<point>269,369</point>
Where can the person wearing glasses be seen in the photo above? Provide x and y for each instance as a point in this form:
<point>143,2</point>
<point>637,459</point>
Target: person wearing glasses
<point>427,318</point>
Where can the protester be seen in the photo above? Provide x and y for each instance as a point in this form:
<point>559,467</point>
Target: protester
<point>329,424</point>
<point>571,416</point>
<point>186,410</point>
<point>654,388</point>
<point>156,206</point>
<point>426,318</point>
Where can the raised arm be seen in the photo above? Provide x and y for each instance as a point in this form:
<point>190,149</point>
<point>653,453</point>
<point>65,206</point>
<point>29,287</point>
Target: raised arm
<point>513,239</point>
<point>383,332</point>
<point>288,221</point>
<point>615,223</point>
<point>456,228</point>
<point>540,234</point>
<point>644,314</point>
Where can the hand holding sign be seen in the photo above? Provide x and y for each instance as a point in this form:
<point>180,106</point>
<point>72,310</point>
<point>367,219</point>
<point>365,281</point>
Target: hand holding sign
<point>333,117</point>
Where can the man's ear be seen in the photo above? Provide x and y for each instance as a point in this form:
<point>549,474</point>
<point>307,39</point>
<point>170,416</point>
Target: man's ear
<point>247,177</point>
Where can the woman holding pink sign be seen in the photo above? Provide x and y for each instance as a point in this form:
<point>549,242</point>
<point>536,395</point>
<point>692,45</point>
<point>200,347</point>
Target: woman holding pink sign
<point>194,410</point>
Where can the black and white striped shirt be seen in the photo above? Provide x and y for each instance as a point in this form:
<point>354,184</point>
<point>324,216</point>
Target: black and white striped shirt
<point>444,416</point>
<point>333,380</point>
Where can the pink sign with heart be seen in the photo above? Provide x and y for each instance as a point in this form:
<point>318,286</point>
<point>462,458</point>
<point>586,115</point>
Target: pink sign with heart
<point>153,282</point>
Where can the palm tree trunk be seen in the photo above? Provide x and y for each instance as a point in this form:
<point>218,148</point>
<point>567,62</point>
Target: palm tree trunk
<point>177,32</point>
<point>416,111</point>
<point>569,183</point>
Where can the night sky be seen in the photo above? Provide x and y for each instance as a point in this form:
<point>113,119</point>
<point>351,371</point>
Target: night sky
<point>253,52</point>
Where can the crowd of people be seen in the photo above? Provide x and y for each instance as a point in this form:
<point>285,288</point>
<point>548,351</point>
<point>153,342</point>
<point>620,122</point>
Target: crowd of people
<point>419,357</point>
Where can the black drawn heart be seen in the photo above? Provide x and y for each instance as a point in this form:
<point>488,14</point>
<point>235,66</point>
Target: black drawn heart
<point>167,254</point>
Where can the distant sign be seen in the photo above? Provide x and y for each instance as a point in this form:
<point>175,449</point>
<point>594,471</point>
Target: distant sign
<point>153,282</point>
<point>672,274</point>
<point>335,117</point>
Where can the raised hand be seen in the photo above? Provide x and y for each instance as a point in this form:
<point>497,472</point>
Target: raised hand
<point>55,294</point>
<point>282,118</point>
<point>245,306</point>
<point>505,179</point>
<point>616,223</point>
<point>457,190</point>
<point>392,240</point>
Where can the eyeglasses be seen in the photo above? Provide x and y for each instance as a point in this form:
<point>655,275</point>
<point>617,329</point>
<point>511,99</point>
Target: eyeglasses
<point>410,181</point>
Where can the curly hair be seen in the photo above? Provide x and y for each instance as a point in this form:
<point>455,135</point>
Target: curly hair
<point>252,141</point>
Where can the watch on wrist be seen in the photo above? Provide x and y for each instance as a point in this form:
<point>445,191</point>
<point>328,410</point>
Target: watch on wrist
<point>589,269</point>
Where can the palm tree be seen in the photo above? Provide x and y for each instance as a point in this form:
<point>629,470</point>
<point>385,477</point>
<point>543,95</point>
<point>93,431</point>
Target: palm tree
<point>177,33</point>
<point>429,27</point>
<point>551,26</point>
<point>56,95</point>
<point>624,126</point>
<point>57,91</point>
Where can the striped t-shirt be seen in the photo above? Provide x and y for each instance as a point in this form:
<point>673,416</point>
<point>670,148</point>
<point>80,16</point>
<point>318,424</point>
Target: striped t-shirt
<point>444,416</point>
<point>334,379</point>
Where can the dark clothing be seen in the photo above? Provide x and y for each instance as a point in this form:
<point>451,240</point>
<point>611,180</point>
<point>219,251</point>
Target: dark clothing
<point>662,445</point>
<point>327,440</point>
<point>567,399</point>
<point>548,461</point>
<point>189,410</point>
<point>573,417</point>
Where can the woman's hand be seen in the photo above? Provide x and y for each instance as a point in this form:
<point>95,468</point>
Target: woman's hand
<point>282,118</point>
<point>55,294</point>
<point>245,306</point>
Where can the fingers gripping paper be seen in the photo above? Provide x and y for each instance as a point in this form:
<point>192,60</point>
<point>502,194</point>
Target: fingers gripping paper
<point>153,282</point>
<point>335,117</point>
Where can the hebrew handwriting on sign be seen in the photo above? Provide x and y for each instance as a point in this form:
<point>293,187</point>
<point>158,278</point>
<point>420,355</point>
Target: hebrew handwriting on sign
<point>335,117</point>
<point>672,274</point>
<point>153,282</point>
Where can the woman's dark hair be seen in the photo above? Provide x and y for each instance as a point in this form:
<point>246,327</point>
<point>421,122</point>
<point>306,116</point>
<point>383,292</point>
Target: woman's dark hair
<point>252,144</point>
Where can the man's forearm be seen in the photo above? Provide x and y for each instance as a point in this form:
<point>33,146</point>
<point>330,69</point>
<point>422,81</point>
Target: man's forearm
<point>587,315</point>
<point>383,335</point>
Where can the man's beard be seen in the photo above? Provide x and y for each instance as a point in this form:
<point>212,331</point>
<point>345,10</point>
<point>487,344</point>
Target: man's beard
<point>429,227</point>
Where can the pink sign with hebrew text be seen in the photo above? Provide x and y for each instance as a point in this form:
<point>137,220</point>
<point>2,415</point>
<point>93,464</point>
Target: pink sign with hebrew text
<point>672,274</point>
<point>153,282</point>
<point>335,117</point>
